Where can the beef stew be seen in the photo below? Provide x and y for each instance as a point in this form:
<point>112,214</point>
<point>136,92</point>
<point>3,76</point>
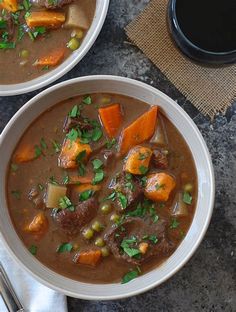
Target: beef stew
<point>38,35</point>
<point>102,188</point>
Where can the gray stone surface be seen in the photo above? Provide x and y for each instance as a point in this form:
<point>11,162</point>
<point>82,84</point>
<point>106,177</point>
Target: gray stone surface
<point>207,282</point>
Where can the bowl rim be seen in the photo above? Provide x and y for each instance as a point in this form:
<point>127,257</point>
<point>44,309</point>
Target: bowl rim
<point>211,195</point>
<point>63,68</point>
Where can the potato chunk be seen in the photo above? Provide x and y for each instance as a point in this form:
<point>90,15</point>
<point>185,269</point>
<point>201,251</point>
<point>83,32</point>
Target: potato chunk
<point>138,160</point>
<point>70,151</point>
<point>54,193</point>
<point>159,186</point>
<point>76,17</point>
<point>39,224</point>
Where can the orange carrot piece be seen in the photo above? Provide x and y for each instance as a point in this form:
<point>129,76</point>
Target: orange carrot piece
<point>90,257</point>
<point>111,118</point>
<point>24,154</point>
<point>38,225</point>
<point>70,150</point>
<point>139,131</point>
<point>85,187</point>
<point>159,186</point>
<point>138,157</point>
<point>75,179</point>
<point>9,5</point>
<point>49,19</point>
<point>54,58</point>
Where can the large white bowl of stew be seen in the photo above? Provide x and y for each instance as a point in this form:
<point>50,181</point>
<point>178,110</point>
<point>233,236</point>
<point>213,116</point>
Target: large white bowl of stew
<point>106,187</point>
<point>41,40</point>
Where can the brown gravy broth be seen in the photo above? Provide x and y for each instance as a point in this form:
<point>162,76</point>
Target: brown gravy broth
<point>15,68</point>
<point>25,176</point>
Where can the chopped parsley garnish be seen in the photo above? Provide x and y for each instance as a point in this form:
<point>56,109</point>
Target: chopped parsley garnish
<point>7,45</point>
<point>159,186</point>
<point>99,176</point>
<point>187,198</point>
<point>74,112</point>
<point>112,197</point>
<point>97,164</point>
<point>85,195</point>
<point>143,169</point>
<point>72,135</point>
<point>110,144</point>
<point>143,181</point>
<point>46,67</point>
<point>41,187</point>
<point>33,249</point>
<point>122,199</point>
<point>143,156</point>
<point>97,134</point>
<point>66,179</point>
<point>87,100</point>
<point>26,4</point>
<point>81,156</point>
<point>153,239</point>
<point>140,211</point>
<point>65,203</point>
<point>37,151</point>
<point>53,180</point>
<point>126,246</point>
<point>14,167</point>
<point>56,146</point>
<point>81,166</point>
<point>43,144</point>
<point>153,214</point>
<point>65,247</point>
<point>130,276</point>
<point>16,194</point>
<point>174,224</point>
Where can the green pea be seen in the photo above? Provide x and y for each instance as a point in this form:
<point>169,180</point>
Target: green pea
<point>115,217</point>
<point>106,100</point>
<point>105,252</point>
<point>88,233</point>
<point>97,226</point>
<point>188,187</point>
<point>24,53</point>
<point>73,44</point>
<point>99,242</point>
<point>106,208</point>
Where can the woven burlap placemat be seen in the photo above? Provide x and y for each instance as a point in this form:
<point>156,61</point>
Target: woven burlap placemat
<point>211,90</point>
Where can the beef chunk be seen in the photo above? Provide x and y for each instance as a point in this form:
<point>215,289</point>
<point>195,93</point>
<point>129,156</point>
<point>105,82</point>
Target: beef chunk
<point>36,198</point>
<point>74,122</point>
<point>51,4</point>
<point>159,159</point>
<point>10,26</point>
<point>140,230</point>
<point>127,187</point>
<point>72,221</point>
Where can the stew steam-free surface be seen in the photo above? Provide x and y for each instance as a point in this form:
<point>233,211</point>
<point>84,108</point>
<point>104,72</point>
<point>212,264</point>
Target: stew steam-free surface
<point>102,188</point>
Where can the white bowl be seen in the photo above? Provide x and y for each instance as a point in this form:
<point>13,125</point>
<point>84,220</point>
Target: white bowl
<point>206,186</point>
<point>69,63</point>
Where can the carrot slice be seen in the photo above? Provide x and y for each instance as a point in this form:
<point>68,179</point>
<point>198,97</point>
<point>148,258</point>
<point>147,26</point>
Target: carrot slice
<point>48,19</point>
<point>9,5</point>
<point>24,154</point>
<point>52,59</point>
<point>90,257</point>
<point>75,179</point>
<point>111,118</point>
<point>139,131</point>
<point>159,186</point>
<point>85,187</point>
<point>138,157</point>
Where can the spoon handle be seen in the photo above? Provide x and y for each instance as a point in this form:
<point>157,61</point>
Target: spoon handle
<point>8,294</point>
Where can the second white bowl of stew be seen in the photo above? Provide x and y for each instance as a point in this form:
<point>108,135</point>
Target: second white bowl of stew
<point>41,40</point>
<point>107,187</point>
